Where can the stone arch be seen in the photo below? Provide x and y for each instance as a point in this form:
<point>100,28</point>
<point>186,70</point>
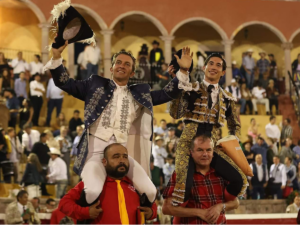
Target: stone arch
<point>208,21</point>
<point>151,18</point>
<point>294,35</point>
<point>277,32</point>
<point>36,10</point>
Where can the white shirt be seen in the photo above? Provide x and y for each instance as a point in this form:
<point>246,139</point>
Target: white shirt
<point>234,91</point>
<point>29,140</point>
<point>19,66</point>
<point>92,54</point>
<point>34,84</point>
<point>272,131</point>
<point>36,68</point>
<point>58,169</point>
<point>259,93</point>
<point>259,172</point>
<point>168,169</point>
<point>53,92</point>
<point>21,208</point>
<point>200,62</point>
<point>280,174</point>
<point>117,117</point>
<point>248,62</point>
<point>159,155</point>
<point>16,148</point>
<point>159,131</point>
<point>214,93</point>
<point>81,60</point>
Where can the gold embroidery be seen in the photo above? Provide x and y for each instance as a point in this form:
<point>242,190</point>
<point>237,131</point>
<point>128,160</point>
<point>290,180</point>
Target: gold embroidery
<point>178,107</point>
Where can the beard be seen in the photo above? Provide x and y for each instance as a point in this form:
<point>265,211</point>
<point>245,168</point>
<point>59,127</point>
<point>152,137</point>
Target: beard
<point>114,172</point>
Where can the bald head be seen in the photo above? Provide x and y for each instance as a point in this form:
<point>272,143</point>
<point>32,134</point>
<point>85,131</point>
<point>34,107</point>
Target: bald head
<point>258,159</point>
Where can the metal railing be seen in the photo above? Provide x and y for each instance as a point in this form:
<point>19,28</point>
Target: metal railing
<point>11,54</point>
<point>295,92</point>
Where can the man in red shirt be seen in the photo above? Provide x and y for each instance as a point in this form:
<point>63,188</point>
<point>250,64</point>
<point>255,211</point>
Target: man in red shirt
<point>206,203</point>
<point>110,207</point>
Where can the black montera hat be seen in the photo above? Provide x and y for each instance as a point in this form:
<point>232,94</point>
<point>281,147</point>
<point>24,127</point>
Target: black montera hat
<point>175,64</point>
<point>155,42</point>
<point>71,25</point>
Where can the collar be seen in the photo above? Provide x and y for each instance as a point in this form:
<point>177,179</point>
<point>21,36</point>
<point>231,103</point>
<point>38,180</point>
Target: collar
<point>22,206</point>
<point>124,179</point>
<point>207,84</point>
<point>211,170</point>
<point>118,86</point>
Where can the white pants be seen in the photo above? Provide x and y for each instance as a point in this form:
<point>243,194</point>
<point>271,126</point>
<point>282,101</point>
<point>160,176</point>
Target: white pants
<point>262,101</point>
<point>94,174</point>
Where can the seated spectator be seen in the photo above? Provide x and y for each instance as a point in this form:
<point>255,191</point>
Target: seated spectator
<point>296,150</point>
<point>236,93</point>
<point>74,122</point>
<point>79,131</point>
<point>12,103</point>
<point>261,148</point>
<point>50,205</point>
<point>179,128</point>
<point>170,148</point>
<point>60,121</point>
<point>286,151</point>
<point>159,152</point>
<point>36,204</point>
<point>294,208</point>
<point>163,129</point>
<point>249,153</point>
<point>25,113</point>
<point>21,211</point>
<point>65,146</point>
<point>253,130</point>
<point>20,88</point>
<point>246,94</point>
<point>110,208</point>
<point>58,172</point>
<point>171,137</point>
<point>29,138</point>
<point>264,81</point>
<point>259,96</point>
<point>57,217</point>
<point>156,175</point>
<point>291,173</point>
<point>51,142</point>
<point>168,169</point>
<point>286,132</point>
<point>277,181</point>
<point>273,131</point>
<point>260,179</point>
<point>272,94</point>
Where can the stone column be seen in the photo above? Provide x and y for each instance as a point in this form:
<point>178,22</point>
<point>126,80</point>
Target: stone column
<point>107,51</point>
<point>287,46</point>
<point>227,50</point>
<point>45,41</point>
<point>71,61</point>
<point>168,47</point>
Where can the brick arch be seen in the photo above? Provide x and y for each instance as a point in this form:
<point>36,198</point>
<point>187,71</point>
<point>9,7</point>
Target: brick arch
<point>294,35</point>
<point>151,18</point>
<point>36,10</point>
<point>208,21</point>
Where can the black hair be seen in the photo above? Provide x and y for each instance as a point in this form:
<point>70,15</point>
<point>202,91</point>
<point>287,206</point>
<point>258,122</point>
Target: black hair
<point>76,111</point>
<point>289,158</point>
<point>260,138</point>
<point>277,156</point>
<point>204,138</point>
<point>163,120</point>
<point>272,117</point>
<point>109,147</point>
<point>43,135</point>
<point>218,55</point>
<point>49,200</point>
<point>123,52</point>
<point>10,90</point>
<point>37,199</point>
<point>21,193</point>
<point>38,57</point>
<point>288,120</point>
<point>179,122</point>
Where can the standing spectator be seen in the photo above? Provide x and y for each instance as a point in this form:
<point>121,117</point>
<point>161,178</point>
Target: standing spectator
<point>263,65</point>
<point>156,175</point>
<point>3,65</point>
<point>272,130</point>
<point>249,66</point>
<point>163,77</point>
<point>156,59</point>
<point>236,93</point>
<point>179,128</point>
<point>286,151</point>
<point>79,131</point>
<point>277,178</point>
<point>260,96</point>
<point>143,59</point>
<point>36,66</point>
<point>296,150</point>
<point>291,173</point>
<point>82,64</point>
<point>20,88</point>
<point>54,97</point>
<point>7,81</point>
<point>92,56</point>
<point>261,148</point>
<point>36,91</point>
<point>50,205</point>
<point>171,137</point>
<point>246,94</point>
<point>58,172</point>
<point>159,152</point>
<point>19,65</point>
<point>260,179</point>
<point>272,94</point>
<point>287,131</point>
<point>41,149</point>
<point>21,211</point>
<point>74,122</point>
<point>29,138</point>
<point>168,169</point>
<point>51,142</point>
<point>65,144</point>
<point>60,121</point>
<point>12,103</point>
<point>170,148</point>
<point>235,71</point>
<point>249,153</point>
<point>273,68</point>
<point>296,64</point>
<point>294,208</point>
<point>272,151</point>
<point>163,129</point>
<point>253,130</point>
<point>25,113</point>
<point>16,151</point>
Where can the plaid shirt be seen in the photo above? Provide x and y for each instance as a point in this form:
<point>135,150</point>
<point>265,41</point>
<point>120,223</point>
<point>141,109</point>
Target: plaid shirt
<point>262,65</point>
<point>207,190</point>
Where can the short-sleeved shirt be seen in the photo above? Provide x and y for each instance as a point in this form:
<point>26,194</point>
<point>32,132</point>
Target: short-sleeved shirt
<point>207,190</point>
<point>248,62</point>
<point>262,65</point>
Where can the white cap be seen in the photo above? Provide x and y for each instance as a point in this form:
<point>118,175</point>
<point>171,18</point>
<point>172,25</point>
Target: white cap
<point>234,62</point>
<point>250,50</point>
<point>233,81</point>
<point>54,151</point>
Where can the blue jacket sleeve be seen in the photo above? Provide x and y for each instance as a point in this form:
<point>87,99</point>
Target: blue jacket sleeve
<point>73,87</point>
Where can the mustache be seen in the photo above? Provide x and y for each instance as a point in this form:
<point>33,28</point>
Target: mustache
<point>121,165</point>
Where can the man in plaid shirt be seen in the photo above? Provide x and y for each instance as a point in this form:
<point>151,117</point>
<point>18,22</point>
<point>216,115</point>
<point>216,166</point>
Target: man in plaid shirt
<point>206,203</point>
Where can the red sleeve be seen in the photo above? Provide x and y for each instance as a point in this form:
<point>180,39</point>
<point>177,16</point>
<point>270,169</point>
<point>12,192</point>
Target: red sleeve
<point>170,187</point>
<point>69,207</point>
<point>53,219</point>
<point>154,211</point>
